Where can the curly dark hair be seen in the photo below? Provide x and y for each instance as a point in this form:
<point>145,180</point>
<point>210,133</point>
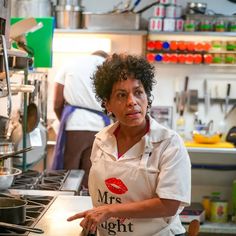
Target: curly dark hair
<point>119,67</point>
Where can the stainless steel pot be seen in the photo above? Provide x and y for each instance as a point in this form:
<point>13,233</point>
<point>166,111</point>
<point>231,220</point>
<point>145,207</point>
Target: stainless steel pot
<point>68,17</point>
<point>7,176</point>
<point>196,8</point>
<point>13,212</point>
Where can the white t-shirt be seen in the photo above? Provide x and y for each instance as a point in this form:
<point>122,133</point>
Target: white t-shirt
<point>75,75</point>
<point>158,165</point>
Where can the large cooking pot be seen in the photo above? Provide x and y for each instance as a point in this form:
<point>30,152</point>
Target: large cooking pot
<point>13,212</point>
<point>68,16</point>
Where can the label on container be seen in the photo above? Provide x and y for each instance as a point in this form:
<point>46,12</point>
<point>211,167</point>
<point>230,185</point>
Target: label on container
<point>179,25</point>
<point>165,2</point>
<point>159,11</point>
<point>169,24</point>
<point>173,11</point>
<point>155,24</point>
<point>219,211</point>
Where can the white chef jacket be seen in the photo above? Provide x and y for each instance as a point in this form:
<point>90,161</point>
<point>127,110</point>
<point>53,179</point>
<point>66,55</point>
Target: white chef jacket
<point>75,75</point>
<point>157,166</point>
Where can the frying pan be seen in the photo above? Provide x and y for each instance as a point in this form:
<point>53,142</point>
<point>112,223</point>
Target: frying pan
<point>12,213</point>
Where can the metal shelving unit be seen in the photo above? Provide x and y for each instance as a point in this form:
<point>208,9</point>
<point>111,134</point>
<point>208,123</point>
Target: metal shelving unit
<point>15,55</point>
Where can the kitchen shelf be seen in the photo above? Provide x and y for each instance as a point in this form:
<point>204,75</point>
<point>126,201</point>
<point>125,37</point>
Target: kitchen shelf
<point>217,228</point>
<point>90,31</point>
<point>196,33</point>
<point>212,150</point>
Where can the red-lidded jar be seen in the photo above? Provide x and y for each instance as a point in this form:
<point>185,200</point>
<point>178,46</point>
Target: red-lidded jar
<point>189,59</point>
<point>173,46</point>
<point>197,59</point>
<point>158,45</point>
<point>150,57</point>
<point>182,46</point>
<point>181,58</point>
<point>150,45</point>
<point>166,58</point>
<point>208,58</point>
<point>191,46</point>
<point>173,58</point>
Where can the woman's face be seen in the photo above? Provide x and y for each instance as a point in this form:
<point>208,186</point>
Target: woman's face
<point>128,102</point>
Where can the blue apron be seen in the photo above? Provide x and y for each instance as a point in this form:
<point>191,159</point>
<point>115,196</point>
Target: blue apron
<point>58,159</point>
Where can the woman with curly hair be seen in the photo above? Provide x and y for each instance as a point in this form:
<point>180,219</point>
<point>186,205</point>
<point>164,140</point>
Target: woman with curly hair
<point>140,179</point>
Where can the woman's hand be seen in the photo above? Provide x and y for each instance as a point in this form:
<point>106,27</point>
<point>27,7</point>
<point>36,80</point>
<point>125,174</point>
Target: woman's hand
<point>92,217</point>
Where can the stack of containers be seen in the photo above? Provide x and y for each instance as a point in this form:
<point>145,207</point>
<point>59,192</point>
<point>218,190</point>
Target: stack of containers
<point>167,16</point>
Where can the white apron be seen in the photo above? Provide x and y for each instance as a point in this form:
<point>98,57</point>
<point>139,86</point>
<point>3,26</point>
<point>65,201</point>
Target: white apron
<point>121,181</point>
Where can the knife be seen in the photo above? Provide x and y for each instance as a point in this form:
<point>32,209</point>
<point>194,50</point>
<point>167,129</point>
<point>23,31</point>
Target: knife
<point>227,98</point>
<point>217,97</point>
<point>206,96</point>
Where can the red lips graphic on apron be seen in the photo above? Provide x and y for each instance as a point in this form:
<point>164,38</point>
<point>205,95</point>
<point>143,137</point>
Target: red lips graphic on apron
<point>116,186</point>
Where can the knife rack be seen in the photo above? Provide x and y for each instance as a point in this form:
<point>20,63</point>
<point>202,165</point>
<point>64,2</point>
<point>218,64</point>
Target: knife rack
<point>214,100</point>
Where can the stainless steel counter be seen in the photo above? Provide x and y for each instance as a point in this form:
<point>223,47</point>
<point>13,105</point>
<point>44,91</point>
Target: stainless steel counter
<point>54,221</point>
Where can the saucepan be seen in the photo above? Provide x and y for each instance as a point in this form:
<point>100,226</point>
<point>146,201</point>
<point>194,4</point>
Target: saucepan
<point>13,212</point>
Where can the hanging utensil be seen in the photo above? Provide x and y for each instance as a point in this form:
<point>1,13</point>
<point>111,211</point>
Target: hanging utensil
<point>206,96</point>
<point>227,98</point>
<point>217,97</point>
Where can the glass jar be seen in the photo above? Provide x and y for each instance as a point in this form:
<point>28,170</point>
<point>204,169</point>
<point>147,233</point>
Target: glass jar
<point>218,58</point>
<point>232,26</point>
<point>231,45</point>
<point>205,25</point>
<point>229,58</point>
<point>216,45</point>
<point>189,26</point>
<point>220,26</point>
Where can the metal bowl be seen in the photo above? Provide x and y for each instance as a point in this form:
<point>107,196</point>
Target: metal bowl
<point>7,176</point>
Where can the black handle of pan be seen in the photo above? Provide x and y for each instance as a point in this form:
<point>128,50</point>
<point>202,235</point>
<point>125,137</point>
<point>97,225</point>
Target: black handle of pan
<point>21,227</point>
<point>16,153</point>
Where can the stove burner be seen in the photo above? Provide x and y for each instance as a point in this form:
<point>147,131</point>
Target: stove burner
<point>47,180</point>
<point>35,209</point>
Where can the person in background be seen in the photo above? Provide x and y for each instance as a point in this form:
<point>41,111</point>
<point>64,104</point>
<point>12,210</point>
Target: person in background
<point>79,113</point>
<point>140,179</point>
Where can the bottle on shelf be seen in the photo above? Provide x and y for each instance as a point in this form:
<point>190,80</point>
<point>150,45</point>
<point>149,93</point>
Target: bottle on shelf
<point>180,124</point>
